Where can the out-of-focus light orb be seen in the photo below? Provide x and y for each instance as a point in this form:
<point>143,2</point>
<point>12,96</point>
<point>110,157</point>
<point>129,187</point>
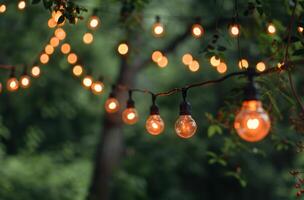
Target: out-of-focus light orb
<point>163,62</point>
<point>54,41</point>
<point>243,64</point>
<point>65,48</point>
<point>187,59</point>
<point>215,61</point>
<point>49,49</point>
<point>35,71</point>
<point>222,68</point>
<point>77,70</point>
<point>260,66</point>
<point>2,8</point>
<point>88,38</point>
<point>44,58</point>
<point>194,66</point>
<point>157,56</point>
<point>72,58</point>
<point>123,49</point>
<point>21,5</point>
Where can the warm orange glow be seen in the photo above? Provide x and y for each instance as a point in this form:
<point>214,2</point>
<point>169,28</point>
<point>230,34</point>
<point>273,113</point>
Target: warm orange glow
<point>88,38</point>
<point>155,125</point>
<point>112,105</point>
<point>185,126</point>
<point>35,71</point>
<point>271,29</point>
<point>65,48</point>
<point>72,58</point>
<point>44,58</point>
<point>97,87</point>
<point>123,49</point>
<point>51,23</point>
<point>21,5</point>
<point>300,29</point>
<point>243,64</point>
<point>77,70</point>
<point>252,123</point>
<point>87,81</point>
<point>215,61</point>
<point>280,64</point>
<point>157,56</point>
<point>234,30</point>
<point>56,15</point>
<point>49,49</point>
<point>60,33</point>
<point>194,66</point>
<point>12,84</point>
<point>197,30</point>
<point>158,29</point>
<point>187,58</point>
<point>163,62</point>
<point>221,68</point>
<point>54,41</point>
<point>130,116</point>
<point>25,81</point>
<point>261,66</point>
<point>2,8</point>
<point>94,22</point>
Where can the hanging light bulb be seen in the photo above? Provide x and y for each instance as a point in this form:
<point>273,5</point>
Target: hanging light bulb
<point>185,126</point>
<point>197,30</point>
<point>158,28</point>
<point>154,124</point>
<point>252,123</point>
<point>112,104</point>
<point>300,29</point>
<point>60,34</point>
<point>51,23</point>
<point>187,58</point>
<point>163,62</point>
<point>12,83</point>
<point>54,41</point>
<point>215,61</point>
<point>72,58</point>
<point>123,48</point>
<point>130,115</point>
<point>222,68</point>
<point>2,8</point>
<point>243,64</point>
<point>93,22</point>
<point>49,49</point>
<point>44,58</point>
<point>21,5</point>
<point>88,38</point>
<point>97,87</point>
<point>87,81</point>
<point>156,56</point>
<point>260,66</point>
<point>77,70</point>
<point>234,30</point>
<point>65,48</point>
<point>25,81</point>
<point>271,29</point>
<point>194,66</point>
<point>35,71</point>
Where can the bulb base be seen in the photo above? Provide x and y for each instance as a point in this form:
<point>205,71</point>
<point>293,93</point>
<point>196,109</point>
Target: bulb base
<point>185,108</point>
<point>154,110</point>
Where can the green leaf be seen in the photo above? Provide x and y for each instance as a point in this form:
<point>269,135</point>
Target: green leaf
<point>214,129</point>
<point>274,104</point>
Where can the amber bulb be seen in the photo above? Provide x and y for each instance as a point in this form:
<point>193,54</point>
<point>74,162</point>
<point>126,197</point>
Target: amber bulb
<point>54,41</point>
<point>112,105</point>
<point>44,58</point>
<point>221,68</point>
<point>2,8</point>
<point>234,30</point>
<point>252,123</point>
<point>163,62</point>
<point>197,30</point>
<point>185,126</point>
<point>187,59</point>
<point>158,29</point>
<point>72,58</point>
<point>260,66</point>
<point>77,70</point>
<point>25,81</point>
<point>93,22</point>
<point>271,29</point>
<point>60,33</point>
<point>87,81</point>
<point>49,49</point>
<point>155,125</point>
<point>12,84</point>
<point>215,61</point>
<point>65,48</point>
<point>194,66</point>
<point>35,71</point>
<point>300,29</point>
<point>156,56</point>
<point>21,5</point>
<point>130,116</point>
<point>243,64</point>
<point>56,15</point>
<point>88,38</point>
<point>97,87</point>
<point>51,23</point>
<point>123,49</point>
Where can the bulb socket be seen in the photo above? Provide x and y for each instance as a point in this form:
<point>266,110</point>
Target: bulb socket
<point>130,103</point>
<point>154,110</point>
<point>185,108</point>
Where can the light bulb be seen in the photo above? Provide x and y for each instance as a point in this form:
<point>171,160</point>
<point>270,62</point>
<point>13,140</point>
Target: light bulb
<point>56,15</point>
<point>49,49</point>
<point>88,38</point>
<point>155,125</point>
<point>261,66</point>
<point>21,5</point>
<point>97,87</point>
<point>163,62</point>
<point>93,23</point>
<point>271,29</point>
<point>187,58</point>
<point>2,8</point>
<point>60,33</point>
<point>65,48</point>
<point>25,81</point>
<point>158,28</point>
<point>123,49</point>
<point>252,123</point>
<point>130,116</point>
<point>44,58</point>
<point>221,68</point>
<point>243,64</point>
<point>300,29</point>
<point>234,30</point>
<point>77,70</point>
<point>12,84</point>
<point>87,81</point>
<point>194,66</point>
<point>72,58</point>
<point>35,71</point>
<point>54,41</point>
<point>215,61</point>
<point>197,30</point>
<point>185,126</point>
<point>51,23</point>
<point>112,105</point>
<point>156,56</point>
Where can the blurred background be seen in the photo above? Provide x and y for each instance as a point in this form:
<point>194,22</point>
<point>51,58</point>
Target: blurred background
<point>50,132</point>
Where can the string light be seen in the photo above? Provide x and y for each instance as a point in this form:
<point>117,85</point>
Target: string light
<point>187,58</point>
<point>12,83</point>
<point>51,23</point>
<point>185,126</point>
<point>271,29</point>
<point>234,30</point>
<point>280,64</point>
<point>72,58</point>
<point>215,61</point>
<point>252,123</point>
<point>60,33</point>
<point>158,28</point>
<point>243,64</point>
<point>221,68</point>
<point>197,30</point>
<point>260,66</point>
<point>35,71</point>
<point>97,87</point>
<point>2,8</point>
<point>77,70</point>
<point>93,22</point>
<point>87,81</point>
<point>156,56</point>
<point>154,124</point>
<point>44,58</point>
<point>130,115</point>
<point>21,5</point>
<point>49,49</point>
<point>65,48</point>
<point>88,38</point>
<point>300,29</point>
<point>194,66</point>
<point>112,104</point>
<point>54,41</point>
<point>25,81</point>
<point>56,16</point>
<point>163,62</point>
<point>123,49</point>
